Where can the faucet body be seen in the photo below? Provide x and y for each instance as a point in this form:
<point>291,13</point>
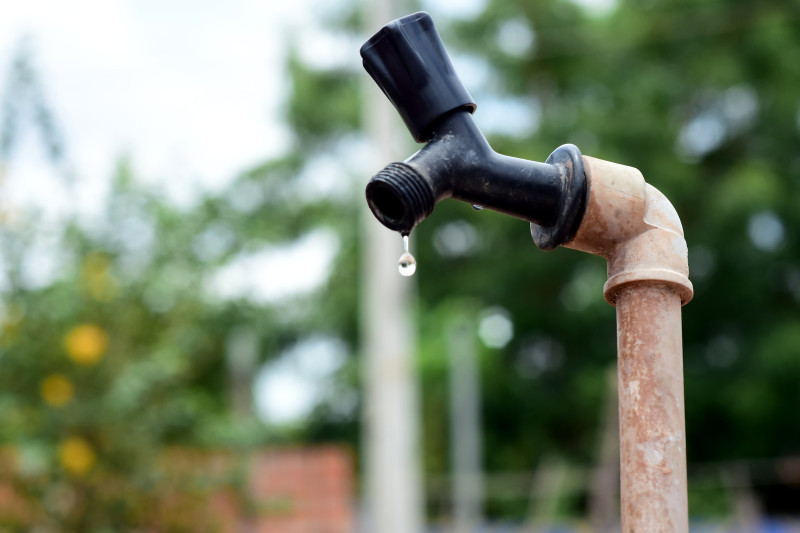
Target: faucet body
<point>457,162</point>
<point>407,60</point>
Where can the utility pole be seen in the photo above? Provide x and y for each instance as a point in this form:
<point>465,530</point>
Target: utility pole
<point>392,473</point>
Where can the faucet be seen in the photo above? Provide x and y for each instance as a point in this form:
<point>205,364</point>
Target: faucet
<point>407,60</point>
<point>570,200</point>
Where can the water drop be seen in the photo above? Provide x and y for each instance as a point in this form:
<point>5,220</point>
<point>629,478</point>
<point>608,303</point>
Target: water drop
<point>407,265</point>
<point>477,207</point>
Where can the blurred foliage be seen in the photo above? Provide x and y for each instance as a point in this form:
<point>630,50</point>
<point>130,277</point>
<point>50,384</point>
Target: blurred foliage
<point>123,351</point>
<point>115,346</point>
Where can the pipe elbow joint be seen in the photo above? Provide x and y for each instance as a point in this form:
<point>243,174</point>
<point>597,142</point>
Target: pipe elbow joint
<point>635,227</point>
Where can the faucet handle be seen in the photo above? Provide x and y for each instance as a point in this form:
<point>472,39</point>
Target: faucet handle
<point>408,61</point>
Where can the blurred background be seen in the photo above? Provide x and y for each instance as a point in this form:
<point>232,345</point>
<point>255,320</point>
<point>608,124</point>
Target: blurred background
<point>202,328</point>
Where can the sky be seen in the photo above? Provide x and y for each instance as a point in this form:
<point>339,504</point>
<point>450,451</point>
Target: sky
<point>191,90</point>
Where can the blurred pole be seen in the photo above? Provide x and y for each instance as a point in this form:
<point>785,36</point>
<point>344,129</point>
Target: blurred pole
<point>746,508</point>
<point>393,489</point>
<point>550,485</point>
<point>603,500</point>
<point>465,437</point>
<point>241,357</point>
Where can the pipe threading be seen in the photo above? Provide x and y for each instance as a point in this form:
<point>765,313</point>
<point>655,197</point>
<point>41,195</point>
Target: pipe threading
<point>400,197</point>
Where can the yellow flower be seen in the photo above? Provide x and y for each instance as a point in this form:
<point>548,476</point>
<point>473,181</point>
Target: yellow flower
<point>56,390</point>
<point>76,455</point>
<point>86,344</point>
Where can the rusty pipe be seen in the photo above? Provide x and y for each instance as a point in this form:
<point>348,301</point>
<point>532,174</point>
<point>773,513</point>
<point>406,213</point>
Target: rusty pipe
<point>636,229</point>
<point>652,437</point>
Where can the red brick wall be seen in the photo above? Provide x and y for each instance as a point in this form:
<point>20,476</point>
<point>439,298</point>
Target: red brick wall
<point>306,490</point>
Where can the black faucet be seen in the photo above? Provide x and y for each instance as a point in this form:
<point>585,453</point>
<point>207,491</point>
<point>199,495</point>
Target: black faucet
<point>408,61</point>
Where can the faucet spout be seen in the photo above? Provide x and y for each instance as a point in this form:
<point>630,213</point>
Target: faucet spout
<point>458,162</point>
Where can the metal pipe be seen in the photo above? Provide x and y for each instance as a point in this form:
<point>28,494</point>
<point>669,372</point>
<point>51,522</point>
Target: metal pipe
<point>637,230</point>
<point>652,436</point>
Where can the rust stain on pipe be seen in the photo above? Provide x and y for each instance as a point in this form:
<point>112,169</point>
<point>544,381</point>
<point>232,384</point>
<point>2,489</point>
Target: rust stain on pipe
<point>637,230</point>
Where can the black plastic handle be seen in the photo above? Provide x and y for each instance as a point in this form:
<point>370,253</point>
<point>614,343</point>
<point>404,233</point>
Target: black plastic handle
<point>408,61</point>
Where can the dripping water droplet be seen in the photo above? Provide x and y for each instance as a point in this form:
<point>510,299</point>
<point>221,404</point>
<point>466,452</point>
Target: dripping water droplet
<point>477,207</point>
<point>407,265</point>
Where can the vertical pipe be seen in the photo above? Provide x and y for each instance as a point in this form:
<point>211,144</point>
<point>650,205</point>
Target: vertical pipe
<point>392,472</point>
<point>651,410</point>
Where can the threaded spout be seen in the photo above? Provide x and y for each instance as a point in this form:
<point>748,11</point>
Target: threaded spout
<point>399,197</point>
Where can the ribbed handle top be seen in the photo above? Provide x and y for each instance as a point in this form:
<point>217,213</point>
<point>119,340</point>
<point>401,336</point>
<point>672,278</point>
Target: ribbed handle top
<point>408,61</point>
